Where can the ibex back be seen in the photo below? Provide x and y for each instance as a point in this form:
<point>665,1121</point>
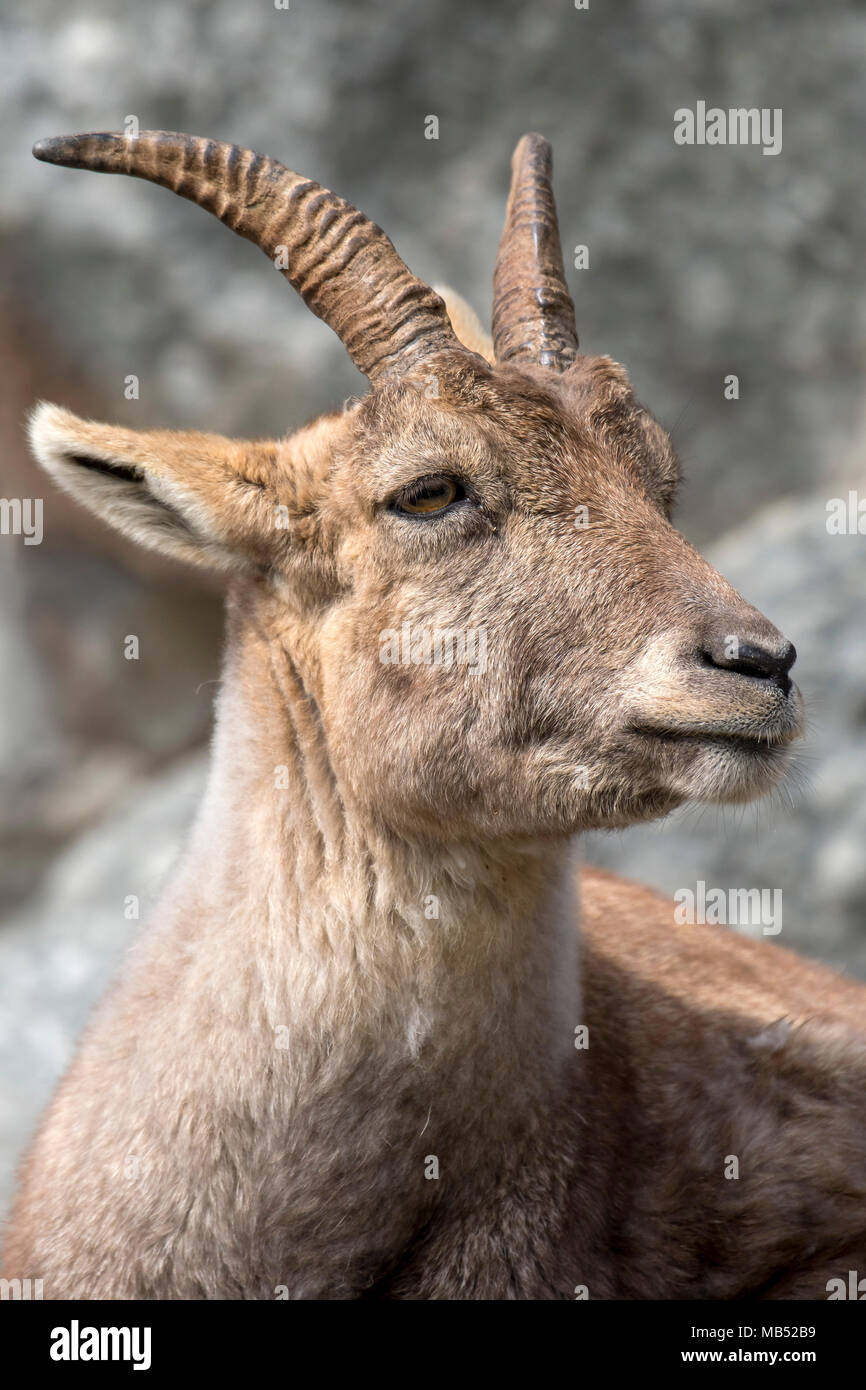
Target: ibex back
<point>363,1049</point>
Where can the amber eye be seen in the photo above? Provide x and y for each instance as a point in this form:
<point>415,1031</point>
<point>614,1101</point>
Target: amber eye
<point>428,496</point>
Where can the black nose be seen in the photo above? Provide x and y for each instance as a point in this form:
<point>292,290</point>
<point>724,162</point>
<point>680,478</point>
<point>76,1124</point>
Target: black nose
<point>769,661</point>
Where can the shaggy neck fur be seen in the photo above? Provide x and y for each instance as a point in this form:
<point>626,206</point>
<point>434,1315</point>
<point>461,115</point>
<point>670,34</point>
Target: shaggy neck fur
<point>408,998</point>
<point>383,936</point>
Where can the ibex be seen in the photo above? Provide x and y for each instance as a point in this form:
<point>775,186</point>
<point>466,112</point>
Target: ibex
<point>364,1051</point>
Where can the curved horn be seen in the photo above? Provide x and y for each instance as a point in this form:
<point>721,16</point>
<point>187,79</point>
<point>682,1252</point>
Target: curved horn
<point>344,266</point>
<point>533,313</point>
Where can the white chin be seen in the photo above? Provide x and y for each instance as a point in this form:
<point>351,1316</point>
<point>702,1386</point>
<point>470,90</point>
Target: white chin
<point>733,774</point>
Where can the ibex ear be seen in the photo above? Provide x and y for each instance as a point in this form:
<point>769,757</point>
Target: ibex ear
<point>196,497</point>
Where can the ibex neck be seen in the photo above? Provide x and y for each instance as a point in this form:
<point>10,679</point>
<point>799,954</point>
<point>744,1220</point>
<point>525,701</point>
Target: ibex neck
<point>432,949</point>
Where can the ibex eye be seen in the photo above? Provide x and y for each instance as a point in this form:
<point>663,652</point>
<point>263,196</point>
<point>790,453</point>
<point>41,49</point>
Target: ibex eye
<point>429,496</point>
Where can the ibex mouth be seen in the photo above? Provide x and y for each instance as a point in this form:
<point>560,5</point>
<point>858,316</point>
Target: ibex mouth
<point>733,740</point>
<point>715,764</point>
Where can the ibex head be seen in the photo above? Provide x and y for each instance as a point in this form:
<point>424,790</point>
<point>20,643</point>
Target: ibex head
<point>472,570</point>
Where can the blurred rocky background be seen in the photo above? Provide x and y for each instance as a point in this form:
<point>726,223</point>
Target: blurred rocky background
<point>703,262</point>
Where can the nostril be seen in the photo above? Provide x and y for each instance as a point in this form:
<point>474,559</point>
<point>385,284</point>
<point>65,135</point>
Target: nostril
<point>752,659</point>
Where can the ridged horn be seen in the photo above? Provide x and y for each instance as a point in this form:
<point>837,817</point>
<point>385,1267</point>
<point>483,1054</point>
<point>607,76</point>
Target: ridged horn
<point>533,313</point>
<point>344,267</point>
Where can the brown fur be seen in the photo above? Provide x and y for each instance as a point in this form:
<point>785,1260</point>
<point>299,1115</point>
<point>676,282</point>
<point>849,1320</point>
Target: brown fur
<point>294,1037</point>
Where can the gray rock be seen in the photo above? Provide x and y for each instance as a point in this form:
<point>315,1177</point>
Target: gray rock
<point>59,951</point>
